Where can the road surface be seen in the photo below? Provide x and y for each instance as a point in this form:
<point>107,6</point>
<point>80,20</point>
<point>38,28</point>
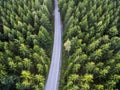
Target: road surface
<point>54,71</point>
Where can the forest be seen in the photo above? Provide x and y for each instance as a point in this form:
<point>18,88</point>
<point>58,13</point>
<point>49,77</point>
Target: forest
<point>91,37</point>
<point>90,50</point>
<point>26,31</point>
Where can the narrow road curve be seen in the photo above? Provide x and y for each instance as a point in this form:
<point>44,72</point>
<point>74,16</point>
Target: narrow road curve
<point>54,72</point>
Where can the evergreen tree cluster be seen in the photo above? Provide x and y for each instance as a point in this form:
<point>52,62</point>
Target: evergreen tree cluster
<point>26,28</point>
<point>93,28</point>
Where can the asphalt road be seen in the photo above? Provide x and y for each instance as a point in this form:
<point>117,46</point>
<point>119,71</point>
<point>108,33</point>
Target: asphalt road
<point>54,71</point>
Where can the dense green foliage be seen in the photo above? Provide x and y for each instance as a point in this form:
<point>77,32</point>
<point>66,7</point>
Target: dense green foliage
<point>93,28</point>
<point>26,28</point>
